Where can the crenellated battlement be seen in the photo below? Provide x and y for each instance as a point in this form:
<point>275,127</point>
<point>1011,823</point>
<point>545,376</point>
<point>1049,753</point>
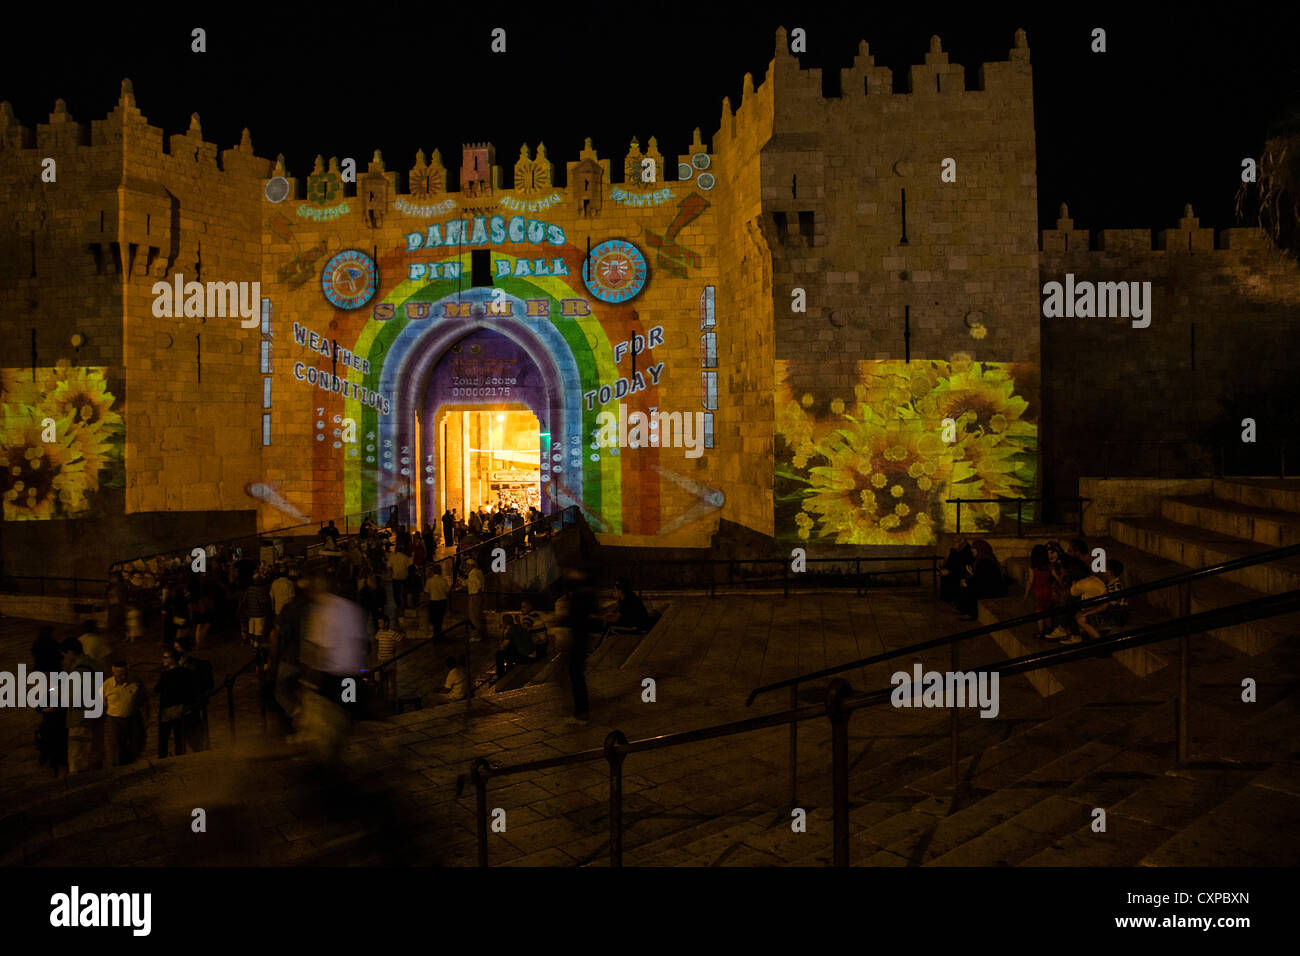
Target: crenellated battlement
<point>1187,236</point>
<point>126,132</point>
<point>798,91</point>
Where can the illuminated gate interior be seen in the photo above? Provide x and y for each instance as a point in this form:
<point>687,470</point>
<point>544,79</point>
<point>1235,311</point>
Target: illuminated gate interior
<point>488,456</point>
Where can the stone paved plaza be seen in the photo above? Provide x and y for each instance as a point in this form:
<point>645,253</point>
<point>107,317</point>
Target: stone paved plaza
<point>1030,777</point>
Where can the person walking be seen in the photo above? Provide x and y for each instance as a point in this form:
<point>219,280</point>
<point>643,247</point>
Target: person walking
<point>85,733</point>
<point>399,566</point>
<point>474,587</point>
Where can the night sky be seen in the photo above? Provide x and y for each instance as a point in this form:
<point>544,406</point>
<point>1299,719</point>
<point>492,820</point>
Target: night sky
<point>1163,118</point>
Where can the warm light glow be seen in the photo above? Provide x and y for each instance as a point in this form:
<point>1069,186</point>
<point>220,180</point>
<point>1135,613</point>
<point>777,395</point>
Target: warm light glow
<point>501,418</point>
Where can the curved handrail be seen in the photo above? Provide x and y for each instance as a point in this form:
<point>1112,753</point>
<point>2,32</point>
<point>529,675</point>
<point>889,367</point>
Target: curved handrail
<point>1196,574</point>
<point>1268,606</point>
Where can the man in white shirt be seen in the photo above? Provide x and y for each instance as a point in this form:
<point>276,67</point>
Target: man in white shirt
<point>436,588</point>
<point>399,565</point>
<point>126,705</point>
<point>282,591</point>
<point>457,680</point>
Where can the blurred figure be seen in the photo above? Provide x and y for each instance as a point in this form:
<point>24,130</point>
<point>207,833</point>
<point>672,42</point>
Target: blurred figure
<point>256,607</point>
<point>333,650</point>
<point>85,734</point>
<point>399,566</point>
<point>573,613</point>
<point>283,667</point>
<point>52,733</point>
<point>474,586</point>
<point>126,704</point>
<point>372,599</point>
<point>96,644</point>
<point>196,721</point>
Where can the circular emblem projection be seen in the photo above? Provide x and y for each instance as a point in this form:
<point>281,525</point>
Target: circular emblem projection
<point>615,271</point>
<point>350,279</point>
<point>277,189</point>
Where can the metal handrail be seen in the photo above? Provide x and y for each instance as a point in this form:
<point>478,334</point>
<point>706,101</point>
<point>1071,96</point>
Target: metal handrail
<point>1019,502</point>
<point>789,577</point>
<point>268,533</point>
<point>841,702</point>
<point>229,685</point>
<point>562,515</point>
<point>76,580</point>
<point>1184,577</point>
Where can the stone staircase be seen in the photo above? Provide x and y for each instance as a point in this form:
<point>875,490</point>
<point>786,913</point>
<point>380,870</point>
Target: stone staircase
<point>1240,517</point>
<point>1029,790</point>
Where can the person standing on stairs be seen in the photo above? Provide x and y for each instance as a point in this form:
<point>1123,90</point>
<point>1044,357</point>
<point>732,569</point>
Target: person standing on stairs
<point>574,612</point>
<point>1039,584</point>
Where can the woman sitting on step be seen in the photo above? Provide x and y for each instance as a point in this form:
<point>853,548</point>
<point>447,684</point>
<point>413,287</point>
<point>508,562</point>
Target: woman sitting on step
<point>628,615</point>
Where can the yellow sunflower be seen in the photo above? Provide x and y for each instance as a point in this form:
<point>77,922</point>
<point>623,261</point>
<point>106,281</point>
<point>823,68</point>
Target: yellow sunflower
<point>991,429</point>
<point>36,477</point>
<point>883,484</point>
<point>17,386</point>
<point>83,394</point>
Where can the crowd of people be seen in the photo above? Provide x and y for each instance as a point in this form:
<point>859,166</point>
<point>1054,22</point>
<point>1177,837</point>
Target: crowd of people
<point>71,740</point>
<point>309,631</point>
<point>1059,578</point>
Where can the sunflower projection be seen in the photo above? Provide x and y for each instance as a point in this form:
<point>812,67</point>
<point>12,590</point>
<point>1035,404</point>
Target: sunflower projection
<point>57,478</point>
<point>863,455</point>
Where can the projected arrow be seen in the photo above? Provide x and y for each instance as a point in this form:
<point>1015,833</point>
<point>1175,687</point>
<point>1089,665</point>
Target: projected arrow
<point>268,493</point>
<point>710,499</point>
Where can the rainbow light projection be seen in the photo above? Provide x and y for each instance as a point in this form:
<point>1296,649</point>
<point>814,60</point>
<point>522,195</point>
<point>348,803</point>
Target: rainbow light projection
<point>572,348</point>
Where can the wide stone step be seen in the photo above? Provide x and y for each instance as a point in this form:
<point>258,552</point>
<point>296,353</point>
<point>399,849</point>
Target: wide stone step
<point>1252,637</point>
<point>945,831</point>
<point>1024,639</point>
<point>1197,548</point>
<point>1269,527</point>
<point>689,841</point>
<point>1256,826</point>
<point>1275,494</point>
